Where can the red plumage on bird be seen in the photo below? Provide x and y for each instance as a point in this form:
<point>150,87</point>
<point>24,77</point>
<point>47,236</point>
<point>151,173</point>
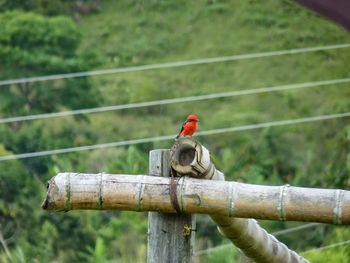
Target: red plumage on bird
<point>189,127</point>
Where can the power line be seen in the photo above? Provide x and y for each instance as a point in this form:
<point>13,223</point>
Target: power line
<point>174,100</point>
<point>343,243</point>
<point>169,137</point>
<point>288,230</point>
<point>275,123</point>
<point>293,229</point>
<point>171,64</point>
<point>277,233</point>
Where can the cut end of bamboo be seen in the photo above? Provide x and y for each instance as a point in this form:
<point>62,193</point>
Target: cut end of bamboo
<point>49,202</point>
<point>56,193</point>
<point>190,158</point>
<point>182,155</point>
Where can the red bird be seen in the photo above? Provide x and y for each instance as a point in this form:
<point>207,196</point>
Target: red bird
<point>189,127</point>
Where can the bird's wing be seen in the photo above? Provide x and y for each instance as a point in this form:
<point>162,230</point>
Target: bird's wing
<point>182,128</point>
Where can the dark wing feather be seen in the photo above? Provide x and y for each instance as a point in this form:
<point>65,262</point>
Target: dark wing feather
<point>182,128</point>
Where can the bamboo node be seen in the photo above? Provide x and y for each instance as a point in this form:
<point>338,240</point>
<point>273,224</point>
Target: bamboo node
<point>209,171</point>
<point>100,194</point>
<point>180,194</point>
<point>230,204</point>
<point>281,200</point>
<point>68,203</point>
<point>339,194</point>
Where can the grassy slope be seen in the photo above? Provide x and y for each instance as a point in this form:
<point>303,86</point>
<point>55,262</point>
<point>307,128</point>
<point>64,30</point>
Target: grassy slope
<point>128,33</point>
<point>131,33</point>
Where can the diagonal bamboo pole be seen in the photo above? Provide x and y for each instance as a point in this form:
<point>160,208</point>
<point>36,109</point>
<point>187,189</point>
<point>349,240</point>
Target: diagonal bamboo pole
<point>193,159</point>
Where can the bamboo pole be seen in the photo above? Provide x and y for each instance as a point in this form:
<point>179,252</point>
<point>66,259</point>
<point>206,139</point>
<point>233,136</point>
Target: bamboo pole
<point>170,236</point>
<point>193,159</point>
<point>68,191</point>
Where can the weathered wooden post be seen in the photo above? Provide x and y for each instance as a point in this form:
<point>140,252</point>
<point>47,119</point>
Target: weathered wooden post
<point>170,236</point>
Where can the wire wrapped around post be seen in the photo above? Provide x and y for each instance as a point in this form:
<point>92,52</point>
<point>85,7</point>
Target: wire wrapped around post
<point>190,158</point>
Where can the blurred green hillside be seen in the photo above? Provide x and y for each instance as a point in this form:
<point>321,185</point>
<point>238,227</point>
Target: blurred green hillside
<point>40,37</point>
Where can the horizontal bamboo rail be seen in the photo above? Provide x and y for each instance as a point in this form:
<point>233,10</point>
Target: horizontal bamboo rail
<point>69,191</point>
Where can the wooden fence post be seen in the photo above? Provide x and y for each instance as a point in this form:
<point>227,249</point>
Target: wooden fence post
<point>170,236</point>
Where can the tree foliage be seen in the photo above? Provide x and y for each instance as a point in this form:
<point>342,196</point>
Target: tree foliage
<point>34,45</point>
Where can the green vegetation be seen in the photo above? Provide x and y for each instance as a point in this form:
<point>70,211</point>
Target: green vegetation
<point>35,41</point>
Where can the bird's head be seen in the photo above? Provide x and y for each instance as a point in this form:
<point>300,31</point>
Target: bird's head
<point>192,117</point>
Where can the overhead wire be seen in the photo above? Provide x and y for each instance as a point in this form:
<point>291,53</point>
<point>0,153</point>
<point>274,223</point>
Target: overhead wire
<point>175,100</point>
<point>276,233</point>
<point>169,137</point>
<point>171,64</point>
<point>343,243</point>
<point>293,229</point>
<point>288,230</point>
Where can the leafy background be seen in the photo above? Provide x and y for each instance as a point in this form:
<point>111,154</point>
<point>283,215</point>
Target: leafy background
<point>40,37</point>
